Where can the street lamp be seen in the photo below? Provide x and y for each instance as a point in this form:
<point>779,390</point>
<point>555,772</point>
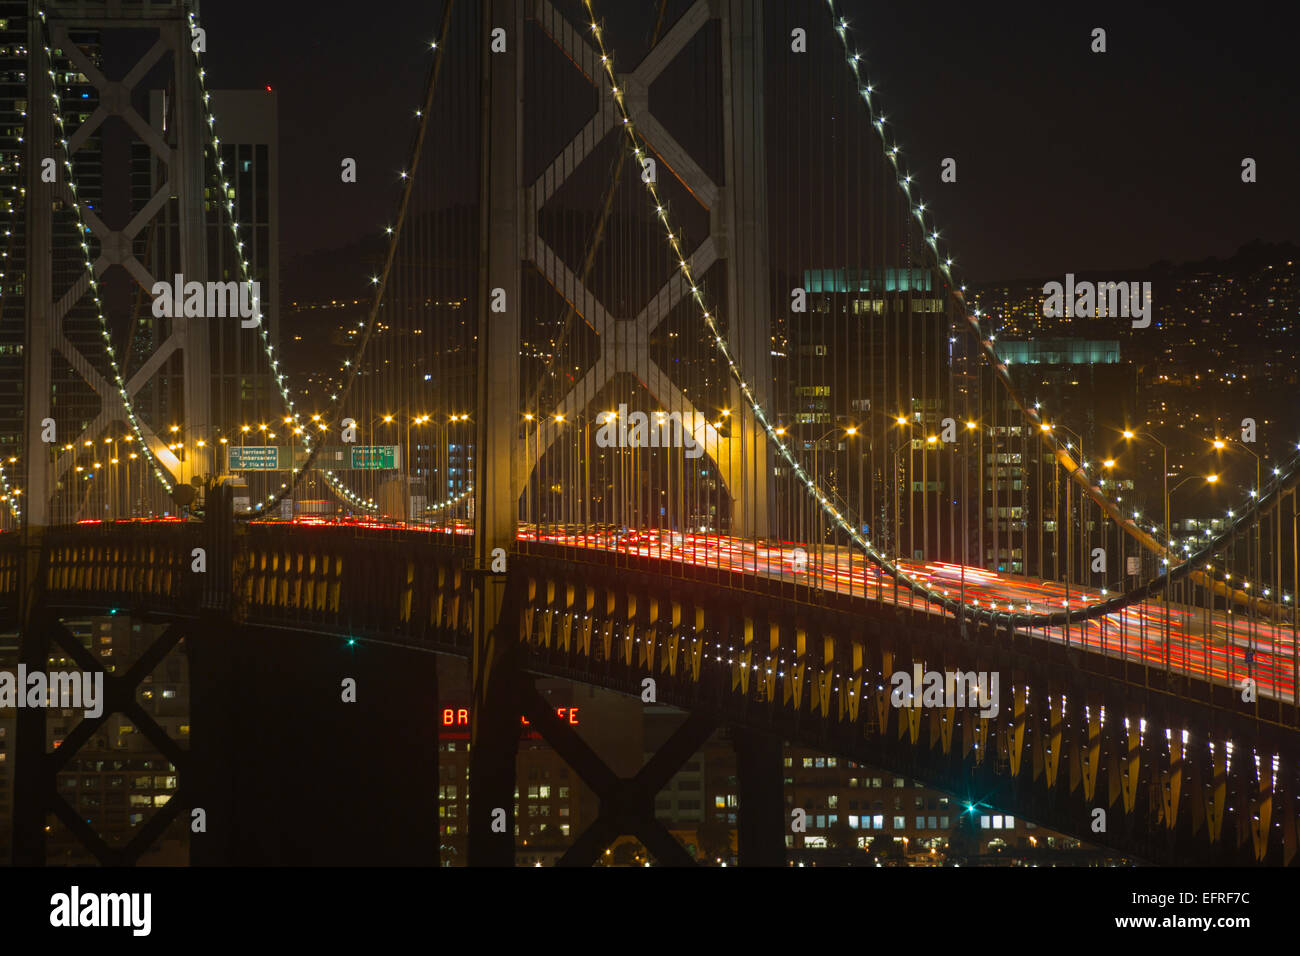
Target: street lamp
<point>1129,434</point>
<point>849,431</point>
<point>902,421</point>
<point>1220,445</point>
<point>898,532</point>
<point>931,441</point>
<point>1210,479</point>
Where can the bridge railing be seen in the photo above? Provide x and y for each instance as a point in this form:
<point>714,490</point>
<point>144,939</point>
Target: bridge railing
<point>148,566</point>
<point>407,586</point>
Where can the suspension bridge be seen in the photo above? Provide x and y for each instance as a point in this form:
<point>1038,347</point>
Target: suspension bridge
<point>668,383</point>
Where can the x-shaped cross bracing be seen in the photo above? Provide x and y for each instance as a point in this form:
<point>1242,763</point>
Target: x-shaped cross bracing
<point>624,342</point>
<point>115,245</point>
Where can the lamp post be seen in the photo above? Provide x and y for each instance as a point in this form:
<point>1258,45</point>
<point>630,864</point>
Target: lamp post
<point>1209,479</point>
<point>1083,501</point>
<point>902,422</point>
<point>972,426</point>
<point>530,476</point>
<point>452,490</point>
<point>931,441</point>
<point>849,432</point>
<point>1164,475</point>
<point>558,512</point>
<point>898,532</point>
<point>1109,464</point>
<point>1056,513</point>
<point>1255,493</point>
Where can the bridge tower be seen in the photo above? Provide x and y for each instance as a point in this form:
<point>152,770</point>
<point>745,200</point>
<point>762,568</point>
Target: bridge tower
<point>510,209</point>
<point>176,210</point>
<point>48,307</point>
<point>56,311</point>
<point>738,235</point>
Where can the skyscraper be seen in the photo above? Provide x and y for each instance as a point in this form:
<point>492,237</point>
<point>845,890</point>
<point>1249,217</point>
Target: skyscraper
<point>242,388</point>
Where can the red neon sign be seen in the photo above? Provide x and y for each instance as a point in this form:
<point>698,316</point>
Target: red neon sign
<point>459,716</point>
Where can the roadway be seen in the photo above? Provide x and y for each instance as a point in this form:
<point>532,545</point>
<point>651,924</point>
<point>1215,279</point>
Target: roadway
<point>1211,644</point>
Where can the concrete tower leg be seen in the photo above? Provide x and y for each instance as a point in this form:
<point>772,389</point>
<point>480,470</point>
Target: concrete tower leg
<point>29,756</point>
<point>744,212</point>
<point>494,717</point>
<point>761,823</point>
<point>189,169</point>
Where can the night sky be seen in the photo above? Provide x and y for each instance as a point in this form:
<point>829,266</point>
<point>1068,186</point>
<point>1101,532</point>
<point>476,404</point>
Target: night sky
<point>1067,160</point>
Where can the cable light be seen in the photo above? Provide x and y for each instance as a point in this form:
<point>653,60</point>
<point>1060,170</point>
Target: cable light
<point>82,230</point>
<point>1011,617</point>
<point>944,263</point>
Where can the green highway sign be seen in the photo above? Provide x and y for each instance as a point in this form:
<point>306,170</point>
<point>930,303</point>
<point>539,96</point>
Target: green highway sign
<point>374,456</point>
<point>254,458</point>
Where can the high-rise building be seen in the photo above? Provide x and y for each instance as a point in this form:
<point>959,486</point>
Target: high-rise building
<point>1091,393</point>
<point>72,402</point>
<point>243,391</point>
<point>873,346</point>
